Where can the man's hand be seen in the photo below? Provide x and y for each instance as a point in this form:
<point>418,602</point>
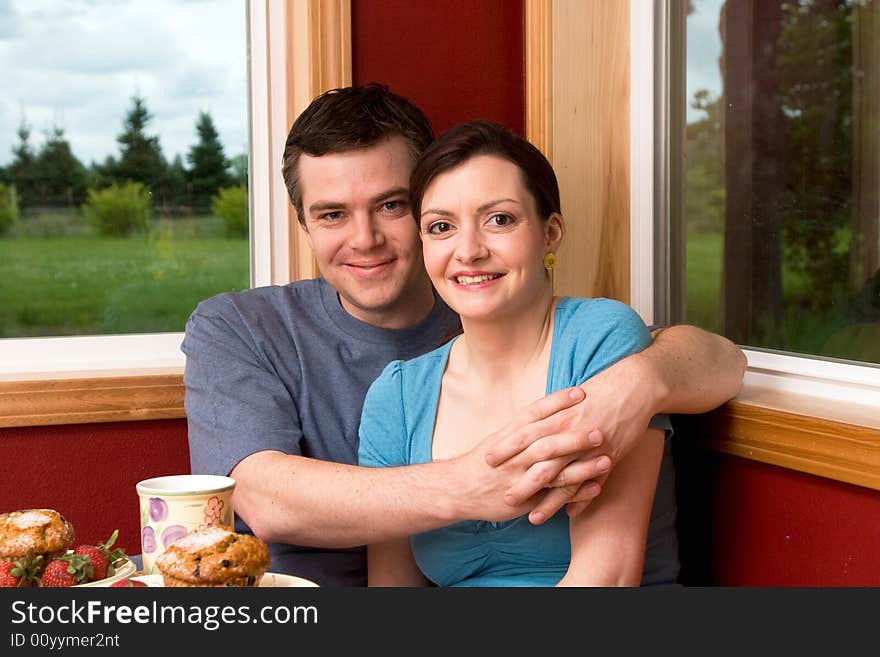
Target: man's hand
<point>561,442</point>
<point>537,473</point>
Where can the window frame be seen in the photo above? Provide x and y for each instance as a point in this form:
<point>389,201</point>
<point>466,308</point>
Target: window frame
<point>823,387</point>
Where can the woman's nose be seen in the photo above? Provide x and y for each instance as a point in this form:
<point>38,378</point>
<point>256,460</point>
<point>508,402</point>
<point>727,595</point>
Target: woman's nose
<point>470,247</point>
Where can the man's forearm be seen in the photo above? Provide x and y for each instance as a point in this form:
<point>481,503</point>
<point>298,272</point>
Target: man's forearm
<point>694,370</point>
<point>293,499</point>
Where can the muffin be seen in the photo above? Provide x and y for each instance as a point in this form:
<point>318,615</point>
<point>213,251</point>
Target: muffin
<point>45,531</point>
<point>215,556</point>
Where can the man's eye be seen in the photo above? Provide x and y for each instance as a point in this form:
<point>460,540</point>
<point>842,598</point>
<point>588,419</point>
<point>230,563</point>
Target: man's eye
<point>501,220</point>
<point>395,208</point>
<point>335,215</point>
<point>439,227</point>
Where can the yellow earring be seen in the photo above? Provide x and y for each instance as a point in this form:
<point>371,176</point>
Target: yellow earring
<point>549,265</point>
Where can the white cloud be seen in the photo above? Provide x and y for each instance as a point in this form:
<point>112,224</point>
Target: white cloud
<point>77,64</point>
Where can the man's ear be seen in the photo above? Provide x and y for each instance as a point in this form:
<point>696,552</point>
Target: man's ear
<point>554,230</point>
<point>308,235</point>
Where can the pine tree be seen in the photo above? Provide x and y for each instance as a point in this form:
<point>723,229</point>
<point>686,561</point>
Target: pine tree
<point>140,156</point>
<point>20,171</point>
<point>208,164</point>
<point>177,176</point>
<point>60,177</point>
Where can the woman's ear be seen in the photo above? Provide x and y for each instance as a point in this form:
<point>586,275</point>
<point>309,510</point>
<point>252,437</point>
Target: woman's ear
<point>554,230</point>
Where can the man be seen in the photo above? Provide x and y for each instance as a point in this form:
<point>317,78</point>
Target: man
<point>276,376</point>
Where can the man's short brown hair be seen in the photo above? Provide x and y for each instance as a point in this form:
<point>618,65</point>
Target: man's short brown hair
<point>351,118</point>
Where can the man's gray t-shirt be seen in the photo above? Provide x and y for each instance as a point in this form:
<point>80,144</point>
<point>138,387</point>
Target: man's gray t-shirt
<point>286,368</point>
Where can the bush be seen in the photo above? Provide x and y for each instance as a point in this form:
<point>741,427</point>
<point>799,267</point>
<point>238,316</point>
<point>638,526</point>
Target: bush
<point>8,207</point>
<point>119,209</point>
<point>231,205</point>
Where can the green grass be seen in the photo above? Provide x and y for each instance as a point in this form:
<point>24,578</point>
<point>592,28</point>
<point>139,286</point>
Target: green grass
<point>704,261</point>
<point>99,285</point>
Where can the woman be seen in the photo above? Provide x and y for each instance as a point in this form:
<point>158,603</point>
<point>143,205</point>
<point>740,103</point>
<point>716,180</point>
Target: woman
<point>487,204</point>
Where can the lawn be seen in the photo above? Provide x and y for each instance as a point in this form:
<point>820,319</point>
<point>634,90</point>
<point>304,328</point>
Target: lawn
<point>704,262</point>
<point>90,285</point>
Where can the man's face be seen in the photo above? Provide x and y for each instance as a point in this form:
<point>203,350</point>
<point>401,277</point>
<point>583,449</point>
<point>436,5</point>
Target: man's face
<point>359,226</point>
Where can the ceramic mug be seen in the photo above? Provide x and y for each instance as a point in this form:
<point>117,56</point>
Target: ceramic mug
<point>174,505</point>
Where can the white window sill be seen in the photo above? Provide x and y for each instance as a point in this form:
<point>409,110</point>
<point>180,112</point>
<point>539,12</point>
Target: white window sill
<point>36,359</point>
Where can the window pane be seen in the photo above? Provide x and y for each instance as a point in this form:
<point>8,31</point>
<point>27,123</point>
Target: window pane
<point>123,163</point>
<point>780,205</point>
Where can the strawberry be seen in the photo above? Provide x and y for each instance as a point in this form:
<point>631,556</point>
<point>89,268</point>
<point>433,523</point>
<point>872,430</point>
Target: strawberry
<point>21,572</point>
<point>127,583</point>
<point>69,570</point>
<point>102,556</point>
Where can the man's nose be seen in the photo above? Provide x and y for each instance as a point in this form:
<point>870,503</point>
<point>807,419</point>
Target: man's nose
<point>365,232</point>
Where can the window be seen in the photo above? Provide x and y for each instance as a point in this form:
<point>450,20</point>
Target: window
<point>123,164</point>
<point>759,200</point>
<point>294,51</point>
<point>775,216</point>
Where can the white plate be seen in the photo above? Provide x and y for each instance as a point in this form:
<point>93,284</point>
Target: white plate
<point>269,580</point>
<point>123,570</point>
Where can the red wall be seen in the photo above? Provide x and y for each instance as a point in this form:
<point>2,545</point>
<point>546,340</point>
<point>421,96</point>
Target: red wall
<point>744,523</point>
<point>456,59</point>
<point>88,472</point>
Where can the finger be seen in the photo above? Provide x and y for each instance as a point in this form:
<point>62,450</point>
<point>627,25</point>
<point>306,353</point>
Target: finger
<point>534,479</point>
<point>566,443</point>
<point>522,431</point>
<point>581,470</point>
<point>556,498</point>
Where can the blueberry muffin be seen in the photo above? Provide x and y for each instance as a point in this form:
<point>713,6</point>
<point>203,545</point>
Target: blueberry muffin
<point>216,556</point>
<point>45,531</point>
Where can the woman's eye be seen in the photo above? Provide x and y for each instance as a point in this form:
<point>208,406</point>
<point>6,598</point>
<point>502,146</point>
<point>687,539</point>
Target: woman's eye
<point>501,219</point>
<point>438,227</point>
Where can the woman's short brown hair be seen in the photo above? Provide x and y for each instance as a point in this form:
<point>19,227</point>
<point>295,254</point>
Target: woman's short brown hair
<point>481,137</point>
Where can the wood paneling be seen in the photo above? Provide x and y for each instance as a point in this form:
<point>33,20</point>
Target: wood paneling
<point>539,75</point>
<point>101,399</point>
<point>827,448</point>
<point>590,145</point>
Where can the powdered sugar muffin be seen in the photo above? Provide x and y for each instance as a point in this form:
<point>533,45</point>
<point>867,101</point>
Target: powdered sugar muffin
<point>45,531</point>
<point>216,556</point>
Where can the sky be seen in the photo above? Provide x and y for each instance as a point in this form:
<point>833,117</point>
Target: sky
<point>703,51</point>
<point>77,63</point>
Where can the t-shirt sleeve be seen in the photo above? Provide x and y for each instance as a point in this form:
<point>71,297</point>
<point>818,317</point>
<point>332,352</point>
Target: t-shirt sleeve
<point>599,333</point>
<point>382,429</point>
<point>235,403</point>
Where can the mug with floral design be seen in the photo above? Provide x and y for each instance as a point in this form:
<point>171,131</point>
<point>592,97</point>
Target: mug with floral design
<point>174,505</point>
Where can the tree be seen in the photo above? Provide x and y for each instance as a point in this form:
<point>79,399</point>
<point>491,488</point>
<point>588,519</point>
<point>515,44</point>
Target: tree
<point>177,177</point>
<point>208,164</point>
<point>20,171</point>
<point>140,155</point>
<point>60,177</point>
<point>238,166</point>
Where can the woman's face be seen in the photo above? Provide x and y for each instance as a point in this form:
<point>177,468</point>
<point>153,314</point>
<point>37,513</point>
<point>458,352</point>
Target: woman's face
<point>483,241</point>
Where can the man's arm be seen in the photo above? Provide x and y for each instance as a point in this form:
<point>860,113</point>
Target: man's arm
<point>684,370</point>
<point>293,499</point>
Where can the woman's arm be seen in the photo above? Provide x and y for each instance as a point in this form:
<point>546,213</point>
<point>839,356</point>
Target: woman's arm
<point>392,564</point>
<point>608,540</point>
